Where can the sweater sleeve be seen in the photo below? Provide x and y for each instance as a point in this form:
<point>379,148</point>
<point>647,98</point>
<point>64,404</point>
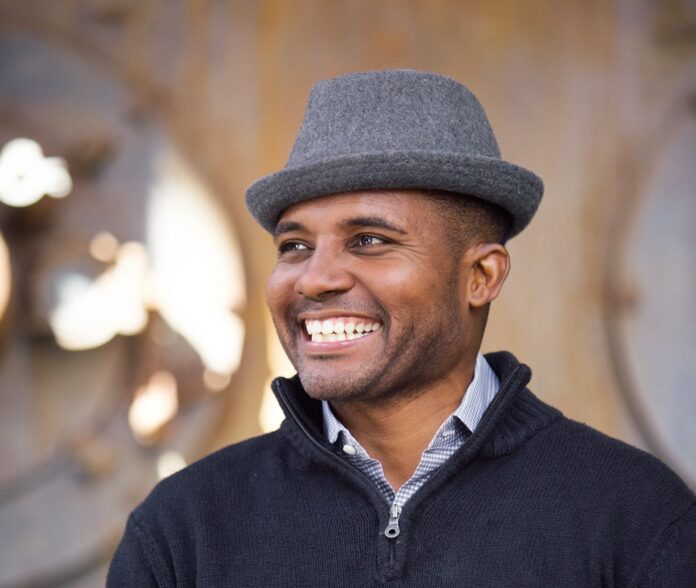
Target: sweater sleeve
<point>671,559</point>
<point>135,562</point>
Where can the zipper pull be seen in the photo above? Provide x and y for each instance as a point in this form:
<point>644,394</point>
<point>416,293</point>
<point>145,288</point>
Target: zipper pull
<point>392,529</point>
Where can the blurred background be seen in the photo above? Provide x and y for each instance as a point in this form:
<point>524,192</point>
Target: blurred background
<point>134,336</point>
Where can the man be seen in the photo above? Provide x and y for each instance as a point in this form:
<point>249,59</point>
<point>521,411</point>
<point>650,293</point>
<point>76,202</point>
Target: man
<point>406,458</point>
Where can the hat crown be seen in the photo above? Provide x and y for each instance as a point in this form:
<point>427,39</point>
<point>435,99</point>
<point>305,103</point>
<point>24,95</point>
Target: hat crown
<point>392,111</point>
<point>395,130</point>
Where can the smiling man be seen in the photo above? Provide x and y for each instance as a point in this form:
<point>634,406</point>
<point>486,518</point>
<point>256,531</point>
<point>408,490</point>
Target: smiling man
<point>381,308</point>
<point>407,457</point>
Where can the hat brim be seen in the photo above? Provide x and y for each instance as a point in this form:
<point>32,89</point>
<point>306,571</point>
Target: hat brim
<point>513,188</point>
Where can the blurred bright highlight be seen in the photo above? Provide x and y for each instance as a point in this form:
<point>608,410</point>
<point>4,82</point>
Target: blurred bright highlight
<point>153,406</point>
<point>26,175</point>
<point>216,382</point>
<point>170,462</point>
<point>270,413</point>
<point>197,275</point>
<point>5,276</point>
<point>189,271</point>
<point>91,312</point>
<point>104,247</point>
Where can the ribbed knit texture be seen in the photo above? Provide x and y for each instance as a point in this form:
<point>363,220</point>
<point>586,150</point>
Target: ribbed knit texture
<point>531,499</point>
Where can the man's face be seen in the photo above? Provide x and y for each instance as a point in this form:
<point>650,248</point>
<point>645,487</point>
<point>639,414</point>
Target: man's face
<point>367,296</point>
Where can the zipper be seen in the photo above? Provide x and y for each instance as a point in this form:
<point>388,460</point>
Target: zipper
<point>392,532</point>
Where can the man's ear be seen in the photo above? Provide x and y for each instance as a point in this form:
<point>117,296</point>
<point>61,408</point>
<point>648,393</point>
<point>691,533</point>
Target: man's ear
<point>489,265</point>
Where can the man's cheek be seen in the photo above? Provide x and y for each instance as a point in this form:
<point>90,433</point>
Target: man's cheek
<point>277,299</point>
<point>272,291</point>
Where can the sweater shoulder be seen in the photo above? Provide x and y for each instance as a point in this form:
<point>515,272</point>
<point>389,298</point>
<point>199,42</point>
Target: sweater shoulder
<point>612,465</point>
<point>595,445</point>
<point>226,470</point>
<point>237,454</point>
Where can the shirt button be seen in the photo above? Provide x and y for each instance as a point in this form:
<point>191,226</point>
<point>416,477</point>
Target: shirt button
<point>349,449</point>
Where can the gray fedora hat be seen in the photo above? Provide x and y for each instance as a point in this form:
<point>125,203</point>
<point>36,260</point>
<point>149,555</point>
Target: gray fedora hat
<point>395,129</point>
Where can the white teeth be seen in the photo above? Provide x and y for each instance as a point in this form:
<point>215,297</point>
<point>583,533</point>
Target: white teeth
<point>338,329</point>
<point>313,327</point>
<point>330,337</point>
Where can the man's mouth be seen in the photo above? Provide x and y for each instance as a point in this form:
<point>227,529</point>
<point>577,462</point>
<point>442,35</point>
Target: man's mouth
<point>339,328</point>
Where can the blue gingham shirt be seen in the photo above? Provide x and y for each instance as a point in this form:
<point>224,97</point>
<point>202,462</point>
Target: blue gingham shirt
<point>449,437</point>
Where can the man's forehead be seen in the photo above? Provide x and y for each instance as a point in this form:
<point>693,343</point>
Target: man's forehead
<point>398,206</point>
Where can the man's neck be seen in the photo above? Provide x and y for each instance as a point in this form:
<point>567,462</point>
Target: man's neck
<point>397,433</point>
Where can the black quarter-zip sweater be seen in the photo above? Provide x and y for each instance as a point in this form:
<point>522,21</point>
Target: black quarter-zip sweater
<point>531,499</point>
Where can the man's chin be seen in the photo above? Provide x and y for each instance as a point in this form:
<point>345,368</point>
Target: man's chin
<point>333,387</point>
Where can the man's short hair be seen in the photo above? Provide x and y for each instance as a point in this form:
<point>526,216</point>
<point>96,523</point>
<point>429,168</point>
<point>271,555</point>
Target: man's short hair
<point>471,219</point>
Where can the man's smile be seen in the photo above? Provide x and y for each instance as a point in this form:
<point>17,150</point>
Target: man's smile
<point>320,333</point>
<point>338,328</point>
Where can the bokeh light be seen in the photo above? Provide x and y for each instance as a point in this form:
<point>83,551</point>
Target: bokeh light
<point>26,175</point>
<point>5,276</point>
<point>153,406</point>
<point>169,463</point>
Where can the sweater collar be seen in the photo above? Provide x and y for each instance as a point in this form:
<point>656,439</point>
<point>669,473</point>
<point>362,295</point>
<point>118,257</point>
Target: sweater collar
<point>514,415</point>
<point>475,400</point>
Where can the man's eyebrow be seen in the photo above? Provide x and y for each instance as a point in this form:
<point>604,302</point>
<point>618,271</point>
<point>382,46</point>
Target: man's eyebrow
<point>373,221</point>
<point>286,227</point>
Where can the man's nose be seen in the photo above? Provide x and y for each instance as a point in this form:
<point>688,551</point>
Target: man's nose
<point>324,275</point>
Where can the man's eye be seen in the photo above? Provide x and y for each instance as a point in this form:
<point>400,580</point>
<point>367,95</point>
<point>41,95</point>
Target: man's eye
<point>290,246</point>
<point>369,240</point>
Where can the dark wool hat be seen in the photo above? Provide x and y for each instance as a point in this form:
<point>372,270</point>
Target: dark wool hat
<point>395,129</point>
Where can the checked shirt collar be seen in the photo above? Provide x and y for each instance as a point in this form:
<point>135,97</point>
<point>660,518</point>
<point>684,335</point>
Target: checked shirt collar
<point>450,436</point>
